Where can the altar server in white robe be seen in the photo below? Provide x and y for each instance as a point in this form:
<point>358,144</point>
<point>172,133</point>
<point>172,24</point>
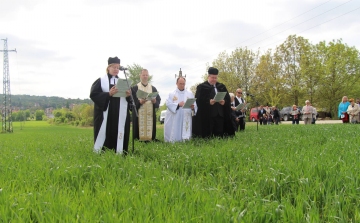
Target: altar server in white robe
<point>178,120</point>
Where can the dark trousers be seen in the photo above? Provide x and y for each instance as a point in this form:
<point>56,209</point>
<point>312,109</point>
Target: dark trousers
<point>263,120</point>
<point>276,120</point>
<point>241,124</point>
<point>295,121</point>
<point>217,126</point>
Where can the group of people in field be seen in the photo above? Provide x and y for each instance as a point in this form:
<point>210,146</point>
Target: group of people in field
<point>205,117</point>
<point>349,110</point>
<point>308,114</point>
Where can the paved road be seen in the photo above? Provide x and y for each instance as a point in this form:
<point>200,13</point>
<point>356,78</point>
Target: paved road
<point>317,122</point>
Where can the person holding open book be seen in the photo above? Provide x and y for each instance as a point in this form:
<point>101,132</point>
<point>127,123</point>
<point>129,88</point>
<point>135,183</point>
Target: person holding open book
<point>111,112</point>
<point>213,116</point>
<point>145,102</point>
<point>241,112</point>
<point>178,118</point>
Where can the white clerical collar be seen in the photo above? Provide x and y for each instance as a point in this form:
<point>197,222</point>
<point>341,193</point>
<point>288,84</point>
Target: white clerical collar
<point>113,80</point>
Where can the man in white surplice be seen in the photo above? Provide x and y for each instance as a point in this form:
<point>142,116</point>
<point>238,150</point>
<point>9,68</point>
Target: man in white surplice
<point>178,120</point>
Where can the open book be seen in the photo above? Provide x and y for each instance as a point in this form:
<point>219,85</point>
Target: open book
<point>122,85</point>
<point>219,96</point>
<point>242,106</point>
<point>189,102</point>
<point>144,95</point>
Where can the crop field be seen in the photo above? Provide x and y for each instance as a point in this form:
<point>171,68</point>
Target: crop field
<point>284,173</point>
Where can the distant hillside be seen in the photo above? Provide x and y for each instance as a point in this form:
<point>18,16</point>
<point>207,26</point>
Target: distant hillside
<point>42,102</point>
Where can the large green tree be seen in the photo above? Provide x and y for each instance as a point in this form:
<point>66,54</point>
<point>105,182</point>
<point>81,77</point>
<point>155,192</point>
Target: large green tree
<point>340,72</point>
<point>237,70</point>
<point>290,56</point>
<point>268,81</point>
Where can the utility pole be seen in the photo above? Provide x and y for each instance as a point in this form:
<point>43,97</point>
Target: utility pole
<point>6,111</point>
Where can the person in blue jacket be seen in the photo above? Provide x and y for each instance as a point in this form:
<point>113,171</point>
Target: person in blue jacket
<point>343,106</point>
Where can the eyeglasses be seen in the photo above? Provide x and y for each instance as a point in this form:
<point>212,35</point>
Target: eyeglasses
<point>239,92</point>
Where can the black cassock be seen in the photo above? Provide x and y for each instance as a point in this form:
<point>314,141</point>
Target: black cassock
<point>201,126</point>
<point>136,119</point>
<point>101,101</point>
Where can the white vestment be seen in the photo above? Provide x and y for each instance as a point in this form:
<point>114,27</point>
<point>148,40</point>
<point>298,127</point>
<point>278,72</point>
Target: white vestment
<point>178,122</point>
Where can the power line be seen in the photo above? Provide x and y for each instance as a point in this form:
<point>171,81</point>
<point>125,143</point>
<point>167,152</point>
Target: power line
<point>296,24</point>
<point>321,23</point>
<point>277,25</point>
<point>281,24</point>
<point>304,22</point>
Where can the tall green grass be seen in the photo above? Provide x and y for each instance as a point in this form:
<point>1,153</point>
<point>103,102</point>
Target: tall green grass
<point>279,173</point>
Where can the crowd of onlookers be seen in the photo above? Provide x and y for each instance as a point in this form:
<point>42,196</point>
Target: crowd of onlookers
<point>268,115</point>
<point>271,115</point>
<point>349,110</point>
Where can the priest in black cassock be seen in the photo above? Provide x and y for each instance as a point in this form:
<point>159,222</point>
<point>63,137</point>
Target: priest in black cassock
<point>145,125</point>
<point>212,119</point>
<point>111,114</point>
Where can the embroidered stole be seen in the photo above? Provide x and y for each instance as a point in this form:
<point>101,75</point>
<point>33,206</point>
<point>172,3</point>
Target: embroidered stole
<point>100,139</point>
<point>145,113</point>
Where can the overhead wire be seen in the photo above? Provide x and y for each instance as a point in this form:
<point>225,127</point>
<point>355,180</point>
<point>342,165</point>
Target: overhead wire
<point>319,24</point>
<point>302,22</point>
<point>289,27</point>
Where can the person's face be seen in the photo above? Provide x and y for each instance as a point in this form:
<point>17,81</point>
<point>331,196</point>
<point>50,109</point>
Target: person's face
<point>357,101</point>
<point>239,93</point>
<point>180,84</point>
<point>212,79</point>
<point>352,102</point>
<point>345,99</point>
<point>308,103</point>
<point>232,98</point>
<point>114,69</point>
<point>144,76</point>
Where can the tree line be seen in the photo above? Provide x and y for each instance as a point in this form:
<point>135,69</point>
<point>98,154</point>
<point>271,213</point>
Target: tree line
<point>293,72</point>
<point>78,112</point>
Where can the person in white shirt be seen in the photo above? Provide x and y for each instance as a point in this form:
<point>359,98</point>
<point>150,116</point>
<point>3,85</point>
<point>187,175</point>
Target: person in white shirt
<point>307,112</point>
<point>178,120</point>
<point>353,111</point>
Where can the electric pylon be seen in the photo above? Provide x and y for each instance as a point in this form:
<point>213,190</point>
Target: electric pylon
<point>6,106</point>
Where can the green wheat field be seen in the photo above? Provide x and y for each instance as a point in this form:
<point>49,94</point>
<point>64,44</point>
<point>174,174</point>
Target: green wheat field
<point>281,173</point>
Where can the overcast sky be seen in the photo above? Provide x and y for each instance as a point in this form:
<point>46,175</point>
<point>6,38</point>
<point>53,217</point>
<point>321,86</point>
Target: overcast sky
<point>63,46</point>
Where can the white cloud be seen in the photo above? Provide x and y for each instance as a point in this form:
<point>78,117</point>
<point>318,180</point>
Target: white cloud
<point>63,46</point>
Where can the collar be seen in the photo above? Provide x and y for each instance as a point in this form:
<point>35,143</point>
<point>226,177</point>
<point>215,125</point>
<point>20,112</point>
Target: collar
<point>144,84</point>
<point>111,76</point>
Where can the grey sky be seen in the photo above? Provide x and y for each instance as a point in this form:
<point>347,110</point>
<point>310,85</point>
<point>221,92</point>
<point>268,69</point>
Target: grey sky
<point>63,46</point>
